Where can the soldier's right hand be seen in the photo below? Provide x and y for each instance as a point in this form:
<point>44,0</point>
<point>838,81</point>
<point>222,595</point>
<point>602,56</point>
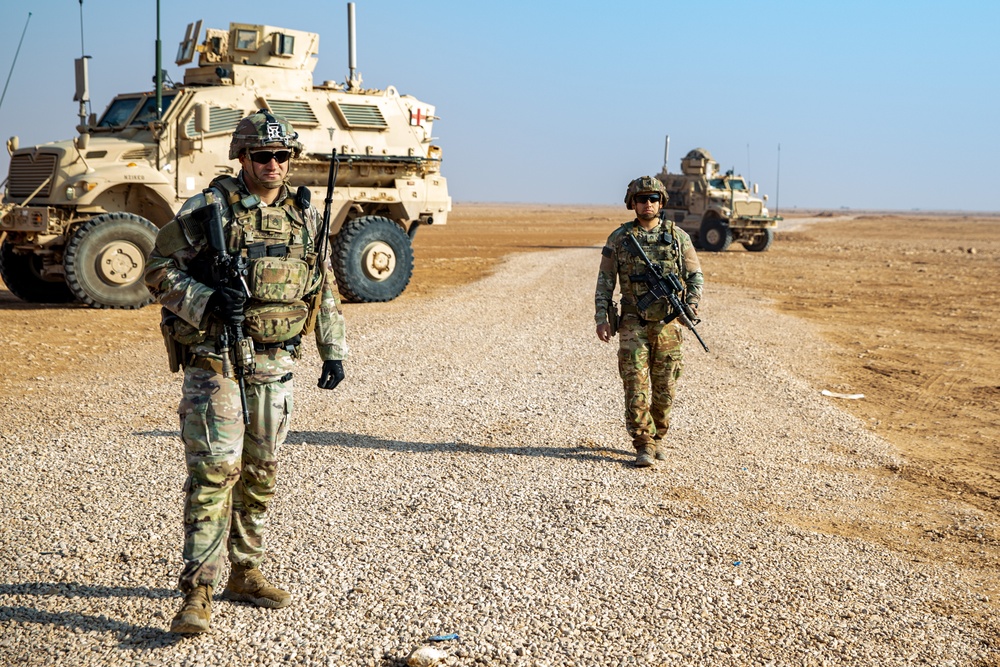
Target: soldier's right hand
<point>228,303</point>
<point>604,332</point>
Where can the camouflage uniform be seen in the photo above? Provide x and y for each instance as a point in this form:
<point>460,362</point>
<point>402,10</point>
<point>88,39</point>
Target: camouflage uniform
<point>649,352</point>
<point>232,469</point>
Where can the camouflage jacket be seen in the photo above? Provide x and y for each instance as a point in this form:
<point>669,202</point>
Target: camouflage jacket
<point>667,246</point>
<point>171,277</point>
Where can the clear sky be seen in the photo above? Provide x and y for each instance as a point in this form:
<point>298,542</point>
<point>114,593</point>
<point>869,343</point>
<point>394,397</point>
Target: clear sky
<point>876,104</point>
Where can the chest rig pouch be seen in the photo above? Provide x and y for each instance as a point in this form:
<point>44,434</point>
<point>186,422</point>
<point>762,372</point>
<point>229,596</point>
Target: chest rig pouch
<point>273,241</point>
<point>662,249</point>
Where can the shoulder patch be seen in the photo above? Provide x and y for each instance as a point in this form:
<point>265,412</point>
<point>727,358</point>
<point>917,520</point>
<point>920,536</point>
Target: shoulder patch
<point>607,252</point>
<point>171,238</point>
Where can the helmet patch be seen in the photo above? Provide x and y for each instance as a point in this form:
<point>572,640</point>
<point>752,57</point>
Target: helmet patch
<point>274,132</point>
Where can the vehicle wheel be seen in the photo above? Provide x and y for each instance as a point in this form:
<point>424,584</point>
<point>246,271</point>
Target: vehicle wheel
<point>373,260</point>
<point>105,261</point>
<point>715,235</point>
<point>762,243</point>
<point>23,277</point>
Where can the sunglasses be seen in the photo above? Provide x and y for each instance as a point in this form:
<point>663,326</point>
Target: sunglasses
<point>264,157</point>
<point>645,199</point>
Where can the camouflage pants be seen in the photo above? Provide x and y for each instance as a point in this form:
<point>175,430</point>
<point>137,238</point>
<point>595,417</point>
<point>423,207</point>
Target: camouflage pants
<point>231,468</point>
<point>650,363</point>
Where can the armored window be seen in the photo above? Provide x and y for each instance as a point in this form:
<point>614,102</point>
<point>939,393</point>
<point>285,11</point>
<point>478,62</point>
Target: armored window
<point>366,116</point>
<point>246,40</point>
<point>147,114</point>
<point>119,111</point>
<point>283,45</point>
<point>219,120</point>
<point>298,112</point>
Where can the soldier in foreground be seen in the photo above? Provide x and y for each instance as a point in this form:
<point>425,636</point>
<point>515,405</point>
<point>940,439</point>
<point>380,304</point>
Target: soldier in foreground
<point>649,351</point>
<point>242,274</point>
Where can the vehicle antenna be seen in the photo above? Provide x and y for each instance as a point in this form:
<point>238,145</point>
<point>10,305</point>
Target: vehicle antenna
<point>353,78</point>
<point>777,187</point>
<point>159,65</point>
<point>84,100</point>
<point>666,154</point>
<point>15,60</point>
<point>748,162</point>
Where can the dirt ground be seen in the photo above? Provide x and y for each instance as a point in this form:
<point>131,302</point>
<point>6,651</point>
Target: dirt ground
<point>909,303</point>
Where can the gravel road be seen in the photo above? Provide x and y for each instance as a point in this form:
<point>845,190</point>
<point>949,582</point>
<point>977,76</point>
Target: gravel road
<point>473,476</point>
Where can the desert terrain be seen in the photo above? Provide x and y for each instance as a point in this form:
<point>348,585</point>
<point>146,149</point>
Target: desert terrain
<point>862,530</point>
<point>908,302</point>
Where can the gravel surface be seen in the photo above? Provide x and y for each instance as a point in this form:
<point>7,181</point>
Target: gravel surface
<point>473,476</point>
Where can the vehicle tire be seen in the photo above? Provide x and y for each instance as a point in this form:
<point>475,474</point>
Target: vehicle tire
<point>762,243</point>
<point>23,277</point>
<point>105,260</point>
<point>715,235</point>
<point>373,260</point>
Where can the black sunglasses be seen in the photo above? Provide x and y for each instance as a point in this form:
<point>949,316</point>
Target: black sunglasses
<point>645,199</point>
<point>264,157</point>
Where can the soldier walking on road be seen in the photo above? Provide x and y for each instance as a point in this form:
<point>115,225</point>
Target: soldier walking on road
<point>233,423</point>
<point>649,351</point>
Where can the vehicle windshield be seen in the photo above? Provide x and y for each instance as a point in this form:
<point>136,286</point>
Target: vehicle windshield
<point>737,184</point>
<point>147,114</point>
<point>122,109</point>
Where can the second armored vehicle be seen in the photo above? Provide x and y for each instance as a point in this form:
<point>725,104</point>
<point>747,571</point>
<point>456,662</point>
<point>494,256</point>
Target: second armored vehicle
<point>80,216</point>
<point>715,208</point>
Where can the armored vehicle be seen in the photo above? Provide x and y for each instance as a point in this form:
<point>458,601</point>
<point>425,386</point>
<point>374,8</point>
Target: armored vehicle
<point>80,216</point>
<point>716,209</point>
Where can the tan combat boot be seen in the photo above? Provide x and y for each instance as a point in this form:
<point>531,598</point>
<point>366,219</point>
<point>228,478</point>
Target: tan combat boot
<point>644,455</point>
<point>195,614</point>
<point>247,584</point>
<point>661,450</point>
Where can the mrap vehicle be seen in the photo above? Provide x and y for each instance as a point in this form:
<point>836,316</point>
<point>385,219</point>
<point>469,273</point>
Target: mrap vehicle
<point>716,208</point>
<point>79,217</point>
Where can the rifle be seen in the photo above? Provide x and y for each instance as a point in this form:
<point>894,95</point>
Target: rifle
<point>662,287</point>
<point>230,271</point>
<point>322,243</point>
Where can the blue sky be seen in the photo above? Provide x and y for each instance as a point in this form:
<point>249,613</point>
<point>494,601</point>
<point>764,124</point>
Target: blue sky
<point>875,104</point>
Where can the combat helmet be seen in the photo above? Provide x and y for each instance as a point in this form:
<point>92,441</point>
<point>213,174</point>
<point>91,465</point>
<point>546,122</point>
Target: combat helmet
<point>262,128</point>
<point>644,184</point>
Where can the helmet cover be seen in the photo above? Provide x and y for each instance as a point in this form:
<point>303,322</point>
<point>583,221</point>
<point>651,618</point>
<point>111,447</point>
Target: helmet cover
<point>260,129</point>
<point>644,185</point>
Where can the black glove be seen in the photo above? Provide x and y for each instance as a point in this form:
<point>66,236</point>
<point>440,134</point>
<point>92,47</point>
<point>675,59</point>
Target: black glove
<point>332,375</point>
<point>228,303</point>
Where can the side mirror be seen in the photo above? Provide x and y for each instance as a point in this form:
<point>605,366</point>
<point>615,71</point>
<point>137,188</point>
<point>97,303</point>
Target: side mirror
<point>12,144</point>
<point>756,188</point>
<point>202,118</point>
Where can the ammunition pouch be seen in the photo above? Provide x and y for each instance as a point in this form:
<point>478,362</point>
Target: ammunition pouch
<point>278,279</point>
<point>628,309</point>
<point>275,322</point>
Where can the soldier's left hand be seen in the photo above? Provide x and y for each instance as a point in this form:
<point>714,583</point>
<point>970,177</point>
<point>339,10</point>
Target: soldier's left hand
<point>332,375</point>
